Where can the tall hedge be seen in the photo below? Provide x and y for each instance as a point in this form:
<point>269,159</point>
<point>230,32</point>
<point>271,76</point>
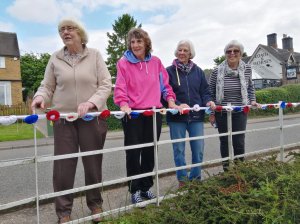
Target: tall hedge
<point>287,93</point>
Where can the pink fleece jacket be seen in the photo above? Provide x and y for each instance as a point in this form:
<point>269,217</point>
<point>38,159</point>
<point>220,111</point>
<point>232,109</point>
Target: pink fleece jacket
<point>140,84</point>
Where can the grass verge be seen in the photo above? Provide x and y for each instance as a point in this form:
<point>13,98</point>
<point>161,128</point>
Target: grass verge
<point>17,131</point>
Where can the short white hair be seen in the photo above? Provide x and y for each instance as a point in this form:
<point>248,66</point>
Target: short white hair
<point>189,44</point>
<point>234,43</point>
<point>80,29</point>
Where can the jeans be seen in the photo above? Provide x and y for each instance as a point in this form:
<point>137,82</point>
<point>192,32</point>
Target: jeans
<point>177,131</point>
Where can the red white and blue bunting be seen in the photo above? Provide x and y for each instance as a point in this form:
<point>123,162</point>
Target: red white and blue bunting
<point>54,115</point>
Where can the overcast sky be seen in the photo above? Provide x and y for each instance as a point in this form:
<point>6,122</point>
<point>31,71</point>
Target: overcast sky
<point>209,24</point>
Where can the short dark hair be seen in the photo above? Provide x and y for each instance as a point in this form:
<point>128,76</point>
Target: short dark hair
<point>139,33</point>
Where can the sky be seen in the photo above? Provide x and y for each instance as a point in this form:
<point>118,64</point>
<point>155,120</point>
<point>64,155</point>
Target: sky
<point>209,24</point>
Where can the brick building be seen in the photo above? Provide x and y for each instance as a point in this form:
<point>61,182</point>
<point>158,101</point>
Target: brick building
<point>10,71</point>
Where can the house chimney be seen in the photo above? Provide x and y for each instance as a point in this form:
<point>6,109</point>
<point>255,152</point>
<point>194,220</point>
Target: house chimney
<point>272,40</point>
<point>287,43</point>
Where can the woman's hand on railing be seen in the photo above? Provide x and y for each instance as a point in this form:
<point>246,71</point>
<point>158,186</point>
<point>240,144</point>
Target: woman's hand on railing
<point>255,104</point>
<point>38,102</point>
<point>126,109</point>
<point>211,104</point>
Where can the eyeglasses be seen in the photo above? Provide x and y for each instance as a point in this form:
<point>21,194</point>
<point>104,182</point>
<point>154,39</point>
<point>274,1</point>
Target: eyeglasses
<point>67,28</point>
<point>235,51</point>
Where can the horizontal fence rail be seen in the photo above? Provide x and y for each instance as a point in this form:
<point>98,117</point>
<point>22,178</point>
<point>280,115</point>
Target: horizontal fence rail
<point>156,173</point>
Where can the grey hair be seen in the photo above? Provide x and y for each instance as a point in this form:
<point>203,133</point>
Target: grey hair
<point>80,29</point>
<point>234,43</point>
<point>190,45</point>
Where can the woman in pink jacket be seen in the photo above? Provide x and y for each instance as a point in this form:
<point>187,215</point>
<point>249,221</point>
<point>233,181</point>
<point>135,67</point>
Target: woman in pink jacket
<point>141,81</point>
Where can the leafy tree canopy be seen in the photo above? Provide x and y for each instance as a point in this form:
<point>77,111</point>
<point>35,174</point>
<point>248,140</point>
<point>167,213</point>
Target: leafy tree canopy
<point>32,72</point>
<point>117,40</point>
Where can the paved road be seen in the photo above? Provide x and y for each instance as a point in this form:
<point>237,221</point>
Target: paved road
<point>18,182</point>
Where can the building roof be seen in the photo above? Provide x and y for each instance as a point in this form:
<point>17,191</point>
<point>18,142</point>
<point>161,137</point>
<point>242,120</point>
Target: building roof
<point>281,54</point>
<point>9,44</point>
<point>246,59</point>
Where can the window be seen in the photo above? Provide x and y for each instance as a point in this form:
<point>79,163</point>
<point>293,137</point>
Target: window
<point>2,62</point>
<point>5,93</point>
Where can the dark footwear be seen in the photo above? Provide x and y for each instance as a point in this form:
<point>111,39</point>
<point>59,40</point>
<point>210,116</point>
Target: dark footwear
<point>97,211</point>
<point>64,219</point>
<point>148,195</point>
<point>136,197</point>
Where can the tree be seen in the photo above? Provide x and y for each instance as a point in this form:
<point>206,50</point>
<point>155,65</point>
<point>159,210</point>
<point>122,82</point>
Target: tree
<point>219,60</point>
<point>32,72</point>
<point>117,40</point>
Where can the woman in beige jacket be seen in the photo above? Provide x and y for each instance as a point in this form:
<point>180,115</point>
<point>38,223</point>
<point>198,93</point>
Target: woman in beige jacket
<point>76,80</point>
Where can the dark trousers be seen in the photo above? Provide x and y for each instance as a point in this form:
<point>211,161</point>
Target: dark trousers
<point>239,122</point>
<point>141,160</point>
<point>68,138</point>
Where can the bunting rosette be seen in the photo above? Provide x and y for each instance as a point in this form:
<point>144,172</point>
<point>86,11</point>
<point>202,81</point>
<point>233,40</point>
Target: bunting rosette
<point>289,105</point>
<point>271,106</point>
<point>246,109</point>
<point>148,113</point>
<point>105,114</point>
<point>72,117</point>
<point>196,107</point>
<point>218,108</point>
<point>119,115</point>
<point>237,109</point>
<point>208,111</point>
<point>185,111</point>
<point>283,105</point>
<point>88,117</point>
<point>134,114</point>
<point>173,111</point>
<point>8,120</point>
<point>53,115</point>
<point>31,119</point>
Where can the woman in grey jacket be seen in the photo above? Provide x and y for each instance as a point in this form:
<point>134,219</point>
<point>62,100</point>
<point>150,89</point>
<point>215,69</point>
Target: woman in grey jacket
<point>76,80</point>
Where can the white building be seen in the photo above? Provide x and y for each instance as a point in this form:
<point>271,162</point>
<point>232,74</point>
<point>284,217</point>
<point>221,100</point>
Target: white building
<point>273,66</point>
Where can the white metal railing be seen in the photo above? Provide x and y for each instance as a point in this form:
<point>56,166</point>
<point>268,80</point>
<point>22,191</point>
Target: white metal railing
<point>39,159</point>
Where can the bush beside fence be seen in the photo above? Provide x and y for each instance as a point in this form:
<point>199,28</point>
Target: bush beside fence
<point>287,93</point>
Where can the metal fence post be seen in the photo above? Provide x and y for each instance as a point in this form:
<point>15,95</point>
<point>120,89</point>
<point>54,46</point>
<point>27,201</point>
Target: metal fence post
<point>36,176</point>
<point>156,155</point>
<point>229,131</point>
<point>281,131</point>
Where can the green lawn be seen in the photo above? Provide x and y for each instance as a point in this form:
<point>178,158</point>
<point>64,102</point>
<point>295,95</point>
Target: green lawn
<point>17,131</point>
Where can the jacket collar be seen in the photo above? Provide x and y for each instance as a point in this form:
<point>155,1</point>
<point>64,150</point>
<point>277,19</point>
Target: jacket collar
<point>61,52</point>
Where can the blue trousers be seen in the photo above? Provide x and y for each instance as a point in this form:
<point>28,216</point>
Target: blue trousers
<point>178,130</point>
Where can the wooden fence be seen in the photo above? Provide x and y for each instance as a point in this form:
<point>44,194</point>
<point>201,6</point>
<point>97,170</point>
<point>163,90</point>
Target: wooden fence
<point>20,109</point>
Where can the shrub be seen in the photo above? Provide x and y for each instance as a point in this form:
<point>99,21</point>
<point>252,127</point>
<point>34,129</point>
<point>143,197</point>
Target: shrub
<point>262,191</point>
<point>288,93</point>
